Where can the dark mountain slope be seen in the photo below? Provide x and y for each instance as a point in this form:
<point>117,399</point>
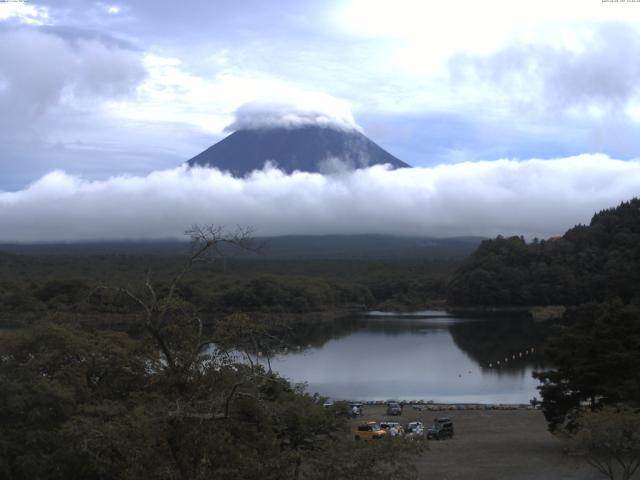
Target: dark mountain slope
<point>293,246</point>
<point>307,149</point>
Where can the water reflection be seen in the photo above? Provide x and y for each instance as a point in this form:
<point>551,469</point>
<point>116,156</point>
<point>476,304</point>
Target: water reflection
<point>495,340</point>
<point>427,356</point>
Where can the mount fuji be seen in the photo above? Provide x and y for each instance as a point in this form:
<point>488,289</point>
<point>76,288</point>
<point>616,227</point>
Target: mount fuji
<point>306,148</point>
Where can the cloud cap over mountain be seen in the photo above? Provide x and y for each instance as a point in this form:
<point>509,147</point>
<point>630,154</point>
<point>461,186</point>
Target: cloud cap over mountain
<point>307,133</point>
<point>296,110</point>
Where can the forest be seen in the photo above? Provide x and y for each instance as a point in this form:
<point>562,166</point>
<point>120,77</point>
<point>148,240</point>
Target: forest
<point>588,263</point>
<point>33,286</point>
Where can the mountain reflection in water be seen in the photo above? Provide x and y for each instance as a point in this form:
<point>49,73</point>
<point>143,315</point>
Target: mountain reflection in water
<point>427,356</point>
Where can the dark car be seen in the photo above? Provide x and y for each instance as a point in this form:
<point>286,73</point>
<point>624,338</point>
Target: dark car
<point>394,408</point>
<point>442,428</point>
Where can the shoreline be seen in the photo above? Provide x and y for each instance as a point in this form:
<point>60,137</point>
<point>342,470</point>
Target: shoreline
<point>426,405</point>
<point>290,319</point>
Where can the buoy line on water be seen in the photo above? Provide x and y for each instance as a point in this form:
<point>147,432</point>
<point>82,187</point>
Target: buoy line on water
<point>497,363</point>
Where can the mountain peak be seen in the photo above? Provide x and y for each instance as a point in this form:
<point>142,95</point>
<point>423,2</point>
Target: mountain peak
<point>307,132</point>
<point>306,148</point>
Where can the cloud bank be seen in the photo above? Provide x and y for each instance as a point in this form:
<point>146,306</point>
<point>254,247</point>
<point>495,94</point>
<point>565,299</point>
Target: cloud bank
<point>598,75</point>
<point>295,111</point>
<point>533,198</point>
<point>40,72</point>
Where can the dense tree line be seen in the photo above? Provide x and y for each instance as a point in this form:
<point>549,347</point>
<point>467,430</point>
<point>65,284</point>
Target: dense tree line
<point>596,358</point>
<point>258,293</point>
<point>592,395</point>
<point>588,263</point>
<point>37,285</point>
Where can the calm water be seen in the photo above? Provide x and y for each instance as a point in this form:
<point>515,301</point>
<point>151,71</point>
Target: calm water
<point>427,355</point>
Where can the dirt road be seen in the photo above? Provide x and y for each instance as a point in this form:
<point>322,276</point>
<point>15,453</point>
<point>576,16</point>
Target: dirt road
<point>493,445</point>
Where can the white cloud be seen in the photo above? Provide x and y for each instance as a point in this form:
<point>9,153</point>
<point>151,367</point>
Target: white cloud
<point>173,94</point>
<point>231,99</point>
<point>592,76</point>
<point>295,111</point>
<point>40,72</point>
<point>427,33</point>
<point>24,13</point>
<point>533,197</point>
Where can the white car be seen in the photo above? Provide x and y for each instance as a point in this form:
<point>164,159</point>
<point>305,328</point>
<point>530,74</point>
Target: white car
<point>415,428</point>
<point>393,428</point>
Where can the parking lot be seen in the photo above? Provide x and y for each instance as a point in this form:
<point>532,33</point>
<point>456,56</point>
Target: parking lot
<point>491,445</point>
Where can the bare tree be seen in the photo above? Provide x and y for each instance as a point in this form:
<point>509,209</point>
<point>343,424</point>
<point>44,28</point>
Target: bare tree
<point>160,307</point>
<point>178,333</point>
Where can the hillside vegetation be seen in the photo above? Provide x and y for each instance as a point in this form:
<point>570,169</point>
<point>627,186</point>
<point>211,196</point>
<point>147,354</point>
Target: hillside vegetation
<point>33,286</point>
<point>588,263</point>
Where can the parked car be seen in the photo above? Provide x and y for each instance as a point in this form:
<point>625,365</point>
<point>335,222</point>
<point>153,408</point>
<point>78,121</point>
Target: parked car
<point>392,428</point>
<point>394,408</point>
<point>355,409</point>
<point>442,428</point>
<point>414,428</point>
<point>369,431</point>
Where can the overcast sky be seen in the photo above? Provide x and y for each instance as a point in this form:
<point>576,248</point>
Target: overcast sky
<point>103,90</point>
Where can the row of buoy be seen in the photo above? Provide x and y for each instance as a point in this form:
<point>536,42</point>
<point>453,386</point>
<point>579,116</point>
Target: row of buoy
<point>513,357</point>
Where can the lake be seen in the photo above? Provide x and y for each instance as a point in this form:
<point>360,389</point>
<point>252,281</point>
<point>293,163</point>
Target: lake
<point>426,355</point>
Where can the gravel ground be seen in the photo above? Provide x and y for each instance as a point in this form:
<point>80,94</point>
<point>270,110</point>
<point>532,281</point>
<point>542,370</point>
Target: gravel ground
<point>493,445</point>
